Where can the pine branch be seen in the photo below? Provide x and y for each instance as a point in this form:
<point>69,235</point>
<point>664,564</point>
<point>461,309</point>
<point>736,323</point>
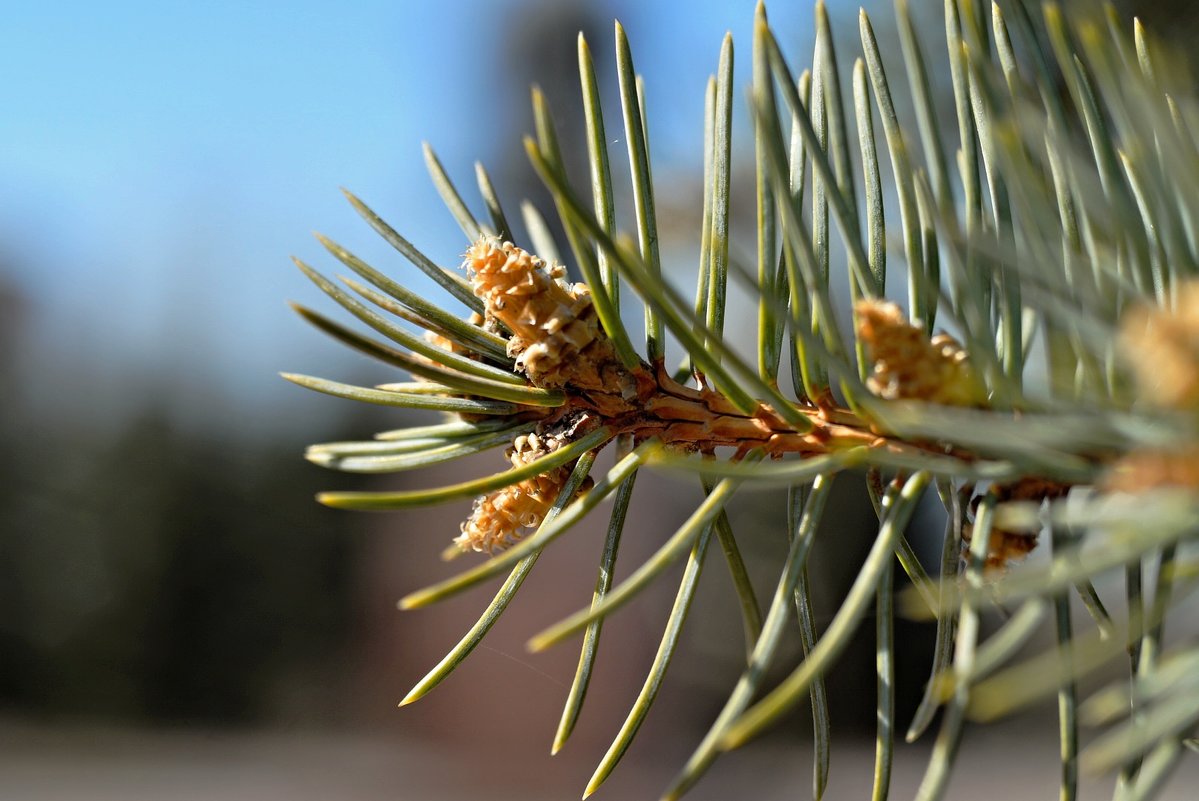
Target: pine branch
<point>1060,254</point>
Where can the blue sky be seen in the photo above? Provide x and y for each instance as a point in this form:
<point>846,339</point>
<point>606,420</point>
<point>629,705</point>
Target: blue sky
<point>160,162</point>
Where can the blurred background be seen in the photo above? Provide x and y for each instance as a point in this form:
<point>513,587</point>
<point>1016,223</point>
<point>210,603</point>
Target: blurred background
<point>178,617</point>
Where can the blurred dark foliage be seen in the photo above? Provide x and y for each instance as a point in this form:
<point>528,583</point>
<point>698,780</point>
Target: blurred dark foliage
<point>155,571</point>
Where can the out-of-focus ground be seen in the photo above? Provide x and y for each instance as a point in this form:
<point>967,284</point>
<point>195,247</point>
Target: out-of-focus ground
<point>52,763</point>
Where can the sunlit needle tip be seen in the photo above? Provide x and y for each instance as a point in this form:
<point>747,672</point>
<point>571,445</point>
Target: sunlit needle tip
<point>732,741</point>
<point>538,644</point>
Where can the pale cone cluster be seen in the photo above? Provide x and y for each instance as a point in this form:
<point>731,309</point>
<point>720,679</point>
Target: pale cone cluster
<point>556,340</point>
<point>1007,546</point>
<point>1153,469</point>
<point>1161,347</point>
<point>556,336</point>
<point>501,518</point>
<point>910,366</point>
